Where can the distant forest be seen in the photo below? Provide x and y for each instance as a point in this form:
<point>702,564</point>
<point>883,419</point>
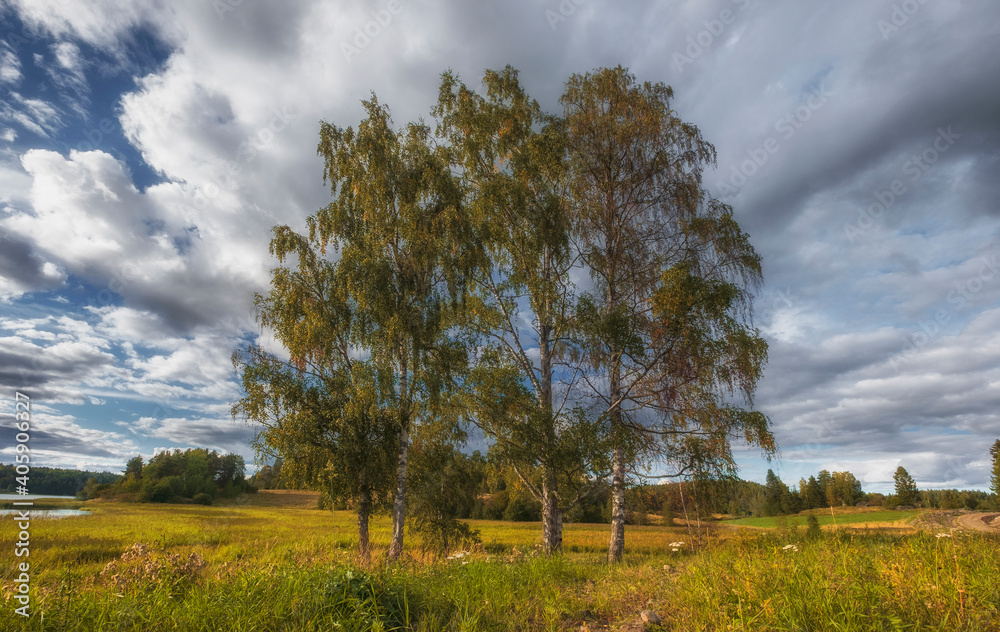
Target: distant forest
<point>195,475</point>
<point>52,481</point>
<point>478,489</point>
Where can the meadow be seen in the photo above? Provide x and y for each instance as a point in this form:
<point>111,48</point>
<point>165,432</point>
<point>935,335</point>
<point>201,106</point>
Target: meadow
<point>277,563</point>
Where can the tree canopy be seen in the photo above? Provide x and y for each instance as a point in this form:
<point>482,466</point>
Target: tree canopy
<point>562,281</point>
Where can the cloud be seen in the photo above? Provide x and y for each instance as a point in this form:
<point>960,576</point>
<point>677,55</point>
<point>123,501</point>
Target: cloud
<point>100,23</point>
<point>10,66</point>
<point>161,275</point>
<point>22,269</point>
<point>35,115</point>
<point>224,435</point>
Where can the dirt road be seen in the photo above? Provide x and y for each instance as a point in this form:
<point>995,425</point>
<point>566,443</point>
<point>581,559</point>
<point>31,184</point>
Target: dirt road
<point>980,522</point>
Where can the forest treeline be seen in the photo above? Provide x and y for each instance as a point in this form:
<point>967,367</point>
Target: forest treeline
<point>474,488</point>
<point>52,480</point>
<point>194,475</point>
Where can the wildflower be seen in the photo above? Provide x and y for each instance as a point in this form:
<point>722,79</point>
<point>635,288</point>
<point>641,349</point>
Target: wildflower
<point>793,547</point>
<point>943,535</point>
<point>676,544</point>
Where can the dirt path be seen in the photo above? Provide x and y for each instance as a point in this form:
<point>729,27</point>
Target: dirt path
<point>979,522</point>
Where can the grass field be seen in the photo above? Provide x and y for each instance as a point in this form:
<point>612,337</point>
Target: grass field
<point>276,563</point>
<point>875,518</point>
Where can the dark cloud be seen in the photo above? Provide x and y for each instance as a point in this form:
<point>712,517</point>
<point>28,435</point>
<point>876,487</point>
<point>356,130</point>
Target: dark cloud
<point>861,373</point>
<point>21,264</point>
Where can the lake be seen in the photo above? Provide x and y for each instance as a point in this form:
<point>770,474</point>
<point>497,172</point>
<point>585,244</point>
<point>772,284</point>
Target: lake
<point>46,513</point>
<point>6,497</point>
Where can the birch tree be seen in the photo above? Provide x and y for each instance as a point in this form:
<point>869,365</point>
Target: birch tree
<point>667,354</point>
<point>510,157</point>
<point>394,223</point>
<point>324,412</point>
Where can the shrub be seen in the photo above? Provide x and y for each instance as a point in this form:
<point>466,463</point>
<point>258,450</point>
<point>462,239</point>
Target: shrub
<point>202,499</point>
<point>813,532</point>
<point>143,568</point>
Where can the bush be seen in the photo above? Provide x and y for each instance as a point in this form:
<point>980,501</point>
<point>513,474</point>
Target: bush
<point>202,499</point>
<point>813,532</point>
<point>442,534</point>
<point>374,602</point>
<point>166,489</point>
<point>523,508</point>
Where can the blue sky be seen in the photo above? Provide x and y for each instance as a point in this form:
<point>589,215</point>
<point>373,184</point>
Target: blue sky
<point>146,150</point>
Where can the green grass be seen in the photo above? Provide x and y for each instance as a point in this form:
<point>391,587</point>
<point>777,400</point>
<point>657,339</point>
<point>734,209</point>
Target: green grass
<point>824,518</point>
<point>275,568</point>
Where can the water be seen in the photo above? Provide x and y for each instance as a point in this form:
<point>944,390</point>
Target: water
<point>46,513</point>
<point>6,497</point>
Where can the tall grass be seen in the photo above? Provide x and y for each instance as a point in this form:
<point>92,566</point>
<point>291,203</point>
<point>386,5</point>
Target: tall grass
<point>249,568</point>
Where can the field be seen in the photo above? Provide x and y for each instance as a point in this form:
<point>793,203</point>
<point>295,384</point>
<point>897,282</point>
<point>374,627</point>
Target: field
<point>276,563</point>
<point>851,516</point>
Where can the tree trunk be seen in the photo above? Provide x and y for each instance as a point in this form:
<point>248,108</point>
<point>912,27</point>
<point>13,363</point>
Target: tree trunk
<point>399,503</point>
<point>617,545</point>
<point>364,512</point>
<point>552,516</point>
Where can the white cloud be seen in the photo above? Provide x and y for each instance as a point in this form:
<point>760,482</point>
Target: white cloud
<point>35,115</point>
<point>10,67</point>
<point>229,123</point>
<point>101,23</point>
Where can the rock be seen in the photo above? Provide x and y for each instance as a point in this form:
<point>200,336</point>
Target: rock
<point>649,616</point>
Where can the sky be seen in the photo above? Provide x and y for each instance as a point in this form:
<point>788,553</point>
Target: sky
<point>147,149</point>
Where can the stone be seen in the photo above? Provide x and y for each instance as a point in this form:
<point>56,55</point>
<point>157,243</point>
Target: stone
<point>648,616</point>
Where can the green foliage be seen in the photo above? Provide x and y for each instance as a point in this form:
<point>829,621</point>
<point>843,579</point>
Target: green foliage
<point>443,488</point>
<point>54,481</point>
<point>269,477</point>
<point>811,494</point>
<point>843,489</point>
<point>776,491</point>
<point>906,488</point>
<point>176,476</point>
<point>366,601</point>
<point>666,335</point>
<point>511,159</point>
<point>521,507</point>
<point>813,532</point>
